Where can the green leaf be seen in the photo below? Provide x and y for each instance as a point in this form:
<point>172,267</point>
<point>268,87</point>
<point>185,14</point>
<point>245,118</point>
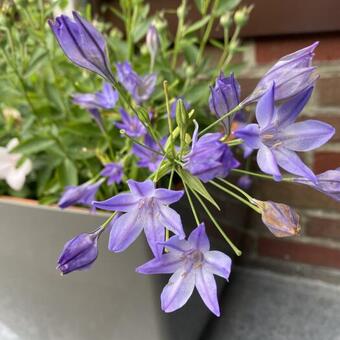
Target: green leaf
<point>68,173</point>
<point>217,44</point>
<point>54,96</point>
<point>190,53</point>
<point>33,145</point>
<point>36,61</point>
<point>196,185</point>
<point>202,5</point>
<point>197,25</point>
<point>226,5</point>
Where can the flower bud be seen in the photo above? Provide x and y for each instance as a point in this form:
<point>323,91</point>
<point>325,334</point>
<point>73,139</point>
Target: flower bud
<point>241,16</point>
<point>280,218</point>
<point>152,41</point>
<point>181,11</point>
<point>82,44</point>
<point>226,20</point>
<point>79,253</point>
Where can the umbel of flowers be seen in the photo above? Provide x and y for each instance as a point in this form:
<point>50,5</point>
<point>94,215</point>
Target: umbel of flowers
<point>197,156</point>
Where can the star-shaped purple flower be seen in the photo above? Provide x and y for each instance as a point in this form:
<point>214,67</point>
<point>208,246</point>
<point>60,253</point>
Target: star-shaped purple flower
<point>114,172</point>
<point>193,264</point>
<point>82,194</point>
<point>209,157</point>
<point>105,99</point>
<point>145,208</point>
<point>292,74</point>
<point>82,44</point>
<point>147,158</point>
<point>278,137</point>
<point>328,183</point>
<point>131,125</point>
<point>140,87</point>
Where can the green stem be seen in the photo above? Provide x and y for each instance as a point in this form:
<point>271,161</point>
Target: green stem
<point>255,174</point>
<point>233,42</point>
<point>191,204</point>
<point>219,228</point>
<point>236,188</point>
<point>167,232</point>
<point>166,93</point>
<point>235,109</point>
<point>106,223</point>
<point>231,193</point>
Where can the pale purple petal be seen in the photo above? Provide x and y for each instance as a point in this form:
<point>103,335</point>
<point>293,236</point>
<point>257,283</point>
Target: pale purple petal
<point>178,290</point>
<point>267,162</point>
<point>217,263</point>
<point>166,196</point>
<point>122,202</point>
<point>250,134</point>
<point>177,245</point>
<point>171,220</point>
<point>306,135</point>
<point>286,113</point>
<point>265,108</point>
<point>141,189</point>
<point>125,230</point>
<point>199,239</point>
<point>291,162</point>
<point>206,286</point>
<point>166,264</point>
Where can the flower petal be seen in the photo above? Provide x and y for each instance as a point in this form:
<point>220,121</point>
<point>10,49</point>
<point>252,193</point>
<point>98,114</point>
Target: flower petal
<point>199,239</point>
<point>177,245</point>
<point>250,134</point>
<point>171,220</point>
<point>267,162</point>
<point>206,286</point>
<point>166,264</point>
<point>178,290</point>
<point>306,135</point>
<point>291,162</point>
<point>265,108</point>
<point>125,230</point>
<point>218,263</point>
<point>15,178</point>
<point>141,189</point>
<point>122,202</point>
<point>166,196</point>
<point>286,113</point>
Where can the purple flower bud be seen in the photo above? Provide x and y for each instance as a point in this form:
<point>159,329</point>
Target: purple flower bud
<point>82,44</point>
<point>82,194</point>
<point>114,172</point>
<point>292,74</point>
<point>245,182</point>
<point>209,157</point>
<point>79,253</point>
<point>174,106</point>
<point>152,41</point>
<point>224,96</point>
<point>280,218</point>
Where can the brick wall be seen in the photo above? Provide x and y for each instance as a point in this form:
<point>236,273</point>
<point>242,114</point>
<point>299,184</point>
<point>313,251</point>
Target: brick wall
<point>319,242</point>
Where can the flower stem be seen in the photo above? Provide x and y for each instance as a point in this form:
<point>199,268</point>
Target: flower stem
<point>255,174</point>
<point>106,223</point>
<point>235,109</point>
<point>232,245</point>
<point>191,204</point>
<point>167,232</point>
<point>166,93</point>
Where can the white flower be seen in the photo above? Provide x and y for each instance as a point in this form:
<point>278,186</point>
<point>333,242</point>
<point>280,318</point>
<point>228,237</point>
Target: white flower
<point>15,177</point>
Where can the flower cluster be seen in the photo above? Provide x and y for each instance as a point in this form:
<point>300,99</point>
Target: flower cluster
<point>158,152</point>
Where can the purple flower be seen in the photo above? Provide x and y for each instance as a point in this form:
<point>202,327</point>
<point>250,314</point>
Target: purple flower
<point>131,125</point>
<point>209,157</point>
<point>174,106</point>
<point>139,87</point>
<point>147,158</point>
<point>277,136</point>
<point>82,44</point>
<point>292,74</point>
<point>114,172</point>
<point>145,208</point>
<point>82,194</point>
<point>79,253</point>
<point>279,218</point>
<point>193,264</point>
<point>105,99</point>
<point>95,113</point>
<point>328,183</point>
<point>245,182</point>
<point>224,96</point>
<point>152,42</point>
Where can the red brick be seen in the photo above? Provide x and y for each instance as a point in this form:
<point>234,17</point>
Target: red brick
<point>328,91</point>
<point>326,160</point>
<point>323,227</point>
<point>296,195</point>
<point>299,252</point>
<point>271,49</point>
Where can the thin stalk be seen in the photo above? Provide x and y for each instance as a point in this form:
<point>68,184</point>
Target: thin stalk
<point>236,108</point>
<point>166,93</point>
<point>219,228</point>
<point>231,193</point>
<point>106,223</point>
<point>232,41</point>
<point>191,204</point>
<point>167,232</point>
<point>255,174</point>
<point>236,188</point>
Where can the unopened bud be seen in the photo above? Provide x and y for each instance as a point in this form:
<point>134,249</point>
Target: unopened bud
<point>152,41</point>
<point>280,218</point>
<point>241,16</point>
<point>226,20</point>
